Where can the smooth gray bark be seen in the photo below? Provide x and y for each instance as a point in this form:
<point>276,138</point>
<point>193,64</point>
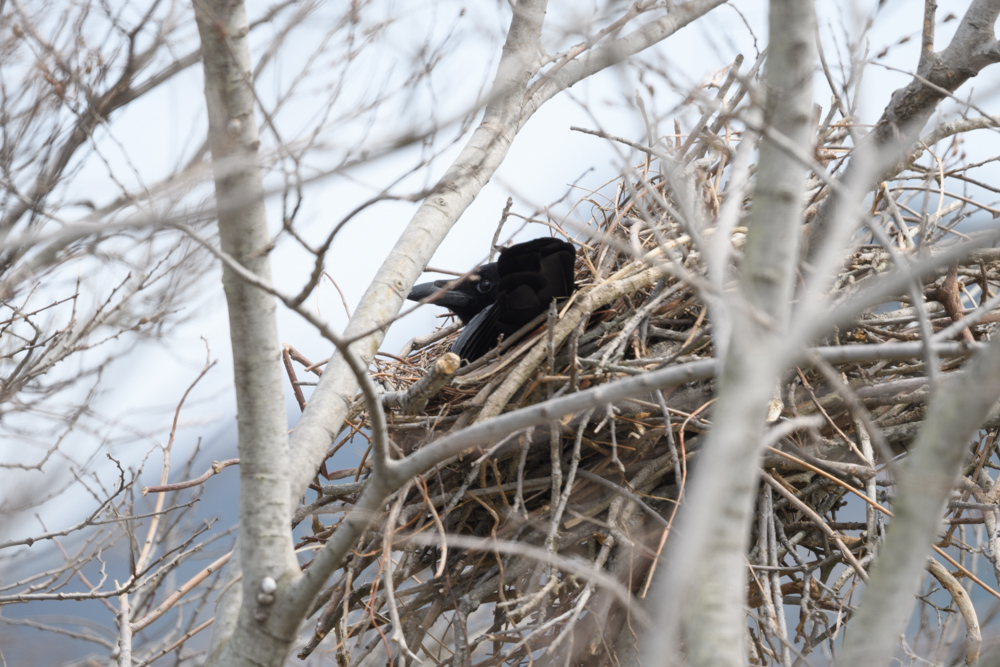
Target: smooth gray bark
<point>265,545</point>
<point>707,567</point>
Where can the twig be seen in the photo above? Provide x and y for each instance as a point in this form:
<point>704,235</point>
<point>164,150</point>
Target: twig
<point>217,467</point>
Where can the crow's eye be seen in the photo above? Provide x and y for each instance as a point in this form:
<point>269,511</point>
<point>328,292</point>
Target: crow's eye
<point>484,286</point>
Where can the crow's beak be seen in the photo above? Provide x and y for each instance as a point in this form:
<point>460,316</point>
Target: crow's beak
<point>449,298</point>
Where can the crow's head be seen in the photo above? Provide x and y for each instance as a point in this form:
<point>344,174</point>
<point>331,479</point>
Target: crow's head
<point>465,299</point>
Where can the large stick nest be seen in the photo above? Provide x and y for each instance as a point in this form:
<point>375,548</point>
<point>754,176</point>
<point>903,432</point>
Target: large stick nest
<point>602,487</point>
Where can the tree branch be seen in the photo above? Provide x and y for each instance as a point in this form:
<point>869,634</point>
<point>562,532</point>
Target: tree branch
<point>956,412</point>
<point>265,548</point>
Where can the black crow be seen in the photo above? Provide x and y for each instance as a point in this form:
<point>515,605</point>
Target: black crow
<point>503,296</point>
